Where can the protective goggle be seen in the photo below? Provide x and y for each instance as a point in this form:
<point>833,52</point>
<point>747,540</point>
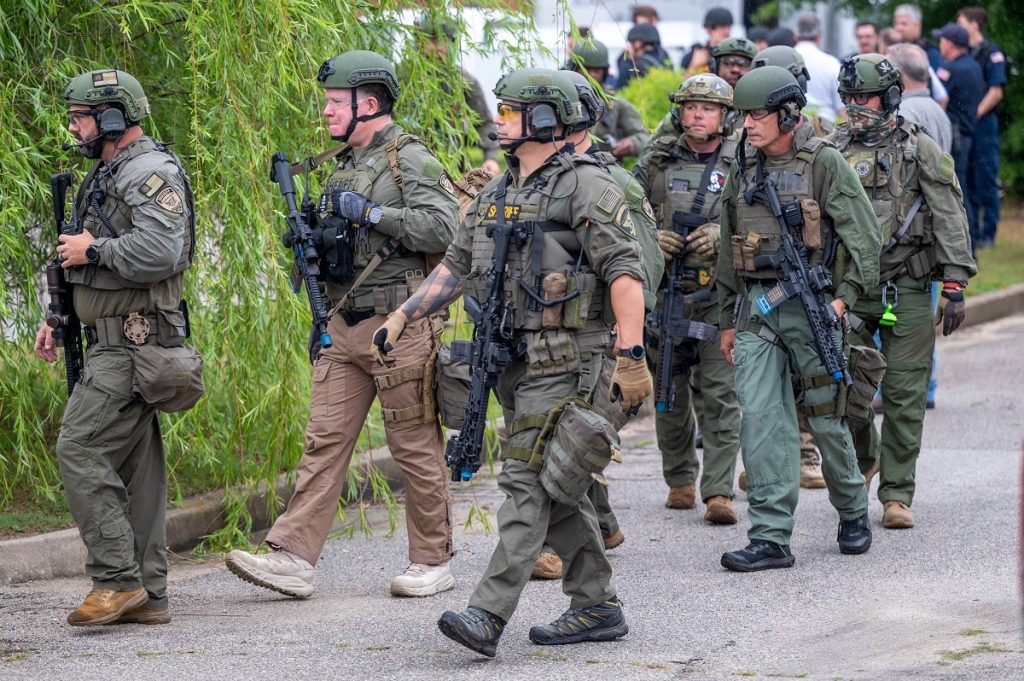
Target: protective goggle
<point>758,114</point>
<point>859,98</point>
<point>508,112</point>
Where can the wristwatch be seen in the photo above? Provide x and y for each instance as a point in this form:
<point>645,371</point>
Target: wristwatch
<point>92,255</point>
<point>636,352</point>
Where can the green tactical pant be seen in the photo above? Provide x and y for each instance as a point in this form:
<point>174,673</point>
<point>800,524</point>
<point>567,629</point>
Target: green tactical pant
<point>907,347</point>
<point>112,465</point>
<point>769,427</point>
<point>677,429</point>
<point>528,516</point>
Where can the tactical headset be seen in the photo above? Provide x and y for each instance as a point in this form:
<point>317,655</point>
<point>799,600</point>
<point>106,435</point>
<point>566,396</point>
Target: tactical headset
<point>543,121</point>
<point>111,123</point>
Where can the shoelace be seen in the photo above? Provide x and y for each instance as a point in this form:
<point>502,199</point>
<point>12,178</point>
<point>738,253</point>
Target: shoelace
<point>415,570</point>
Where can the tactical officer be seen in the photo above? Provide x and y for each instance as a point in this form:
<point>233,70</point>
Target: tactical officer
<point>573,225</point>
<point>917,198</point>
<point>684,178</point>
<point>621,129</point>
<point>392,169</point>
<point>127,270</point>
<point>818,189</point>
<point>731,59</point>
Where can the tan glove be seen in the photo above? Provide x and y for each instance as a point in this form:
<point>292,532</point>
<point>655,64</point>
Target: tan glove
<point>670,243</point>
<point>705,240</point>
<point>386,336</point>
<point>630,381</point>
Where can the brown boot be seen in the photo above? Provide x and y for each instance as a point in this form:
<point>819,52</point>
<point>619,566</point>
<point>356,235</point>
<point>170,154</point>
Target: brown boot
<point>145,615</point>
<point>897,516</point>
<point>548,566</point>
<point>810,475</point>
<point>682,497</point>
<point>720,511</point>
<point>743,481</point>
<point>612,541</point>
<point>103,606</point>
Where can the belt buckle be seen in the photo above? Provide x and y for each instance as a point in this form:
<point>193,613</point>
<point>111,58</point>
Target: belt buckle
<point>136,328</point>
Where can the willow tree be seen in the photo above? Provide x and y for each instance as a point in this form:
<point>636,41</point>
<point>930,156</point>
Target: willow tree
<point>229,84</point>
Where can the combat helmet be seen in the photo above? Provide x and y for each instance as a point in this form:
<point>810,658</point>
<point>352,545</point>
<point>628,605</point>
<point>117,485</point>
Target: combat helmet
<point>704,87</point>
<point>741,47</point>
<point>592,54</point>
<point>359,67</point>
<point>109,87</point>
<point>772,88</point>
<point>786,57</point>
<point>593,104</point>
<point>871,73</point>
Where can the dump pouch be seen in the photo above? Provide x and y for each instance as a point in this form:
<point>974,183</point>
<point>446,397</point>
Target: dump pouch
<point>452,381</point>
<point>580,447</point>
<point>169,379</point>
<point>867,367</point>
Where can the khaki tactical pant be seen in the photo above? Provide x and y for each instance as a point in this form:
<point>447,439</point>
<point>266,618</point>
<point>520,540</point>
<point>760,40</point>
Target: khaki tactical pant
<point>907,347</point>
<point>721,418</point>
<point>769,427</point>
<point>112,466</point>
<point>528,516</point>
<point>346,379</point>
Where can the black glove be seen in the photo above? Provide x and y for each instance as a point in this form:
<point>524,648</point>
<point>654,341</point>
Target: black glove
<point>356,208</point>
<point>952,308</point>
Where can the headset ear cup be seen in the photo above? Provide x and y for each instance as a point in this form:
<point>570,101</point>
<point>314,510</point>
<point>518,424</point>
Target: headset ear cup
<point>543,121</point>
<point>789,116</point>
<point>712,65</point>
<point>893,98</point>
<point>677,121</point>
<point>112,124</point>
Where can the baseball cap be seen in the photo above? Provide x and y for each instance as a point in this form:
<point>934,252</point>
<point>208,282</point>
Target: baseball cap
<point>954,33</point>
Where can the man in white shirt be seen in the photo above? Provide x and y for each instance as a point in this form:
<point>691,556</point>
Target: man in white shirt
<point>917,105</point>
<point>822,90</point>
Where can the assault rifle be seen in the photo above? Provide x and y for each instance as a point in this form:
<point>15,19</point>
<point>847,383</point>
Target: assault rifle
<point>62,318</point>
<point>490,351</point>
<point>798,278</point>
<point>671,321</point>
<point>303,244</point>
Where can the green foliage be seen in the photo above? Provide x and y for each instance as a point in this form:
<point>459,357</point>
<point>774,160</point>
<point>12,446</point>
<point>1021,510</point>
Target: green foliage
<point>650,94</point>
<point>229,84</point>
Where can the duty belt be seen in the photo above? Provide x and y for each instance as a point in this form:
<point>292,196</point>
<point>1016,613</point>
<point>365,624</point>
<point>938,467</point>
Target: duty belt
<point>353,317</point>
<point>109,331</point>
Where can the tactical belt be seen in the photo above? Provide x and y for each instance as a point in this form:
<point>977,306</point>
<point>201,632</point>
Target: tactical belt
<point>352,317</point>
<point>109,332</point>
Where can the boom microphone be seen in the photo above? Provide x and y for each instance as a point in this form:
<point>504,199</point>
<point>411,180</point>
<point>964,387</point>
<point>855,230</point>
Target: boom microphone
<point>493,136</point>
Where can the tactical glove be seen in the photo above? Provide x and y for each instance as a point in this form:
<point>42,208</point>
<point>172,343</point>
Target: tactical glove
<point>705,240</point>
<point>952,307</point>
<point>356,208</point>
<point>670,243</point>
<point>386,336</point>
<point>631,382</point>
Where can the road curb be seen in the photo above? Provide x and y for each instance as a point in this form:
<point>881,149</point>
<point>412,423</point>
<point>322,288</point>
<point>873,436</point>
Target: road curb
<point>62,554</point>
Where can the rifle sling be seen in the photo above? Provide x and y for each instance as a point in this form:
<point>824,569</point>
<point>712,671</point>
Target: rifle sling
<point>905,225</point>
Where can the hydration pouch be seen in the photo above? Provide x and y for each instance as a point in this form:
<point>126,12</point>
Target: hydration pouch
<point>576,451</point>
<point>451,383</point>
<point>811,233</point>
<point>866,367</point>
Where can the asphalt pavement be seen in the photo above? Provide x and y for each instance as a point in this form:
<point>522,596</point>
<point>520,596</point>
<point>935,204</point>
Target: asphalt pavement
<point>939,601</point>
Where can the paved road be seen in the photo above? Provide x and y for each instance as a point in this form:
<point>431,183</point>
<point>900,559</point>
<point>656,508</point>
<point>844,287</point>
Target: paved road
<point>936,602</point>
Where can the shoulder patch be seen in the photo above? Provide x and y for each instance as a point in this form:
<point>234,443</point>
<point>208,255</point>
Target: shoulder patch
<point>943,73</point>
<point>446,183</point>
<point>169,200</point>
<point>946,169</point>
<point>646,207</point>
<point>151,186</point>
<point>716,183</point>
<point>432,169</point>
<point>624,221</point>
<point>608,200</point>
<point>998,57</point>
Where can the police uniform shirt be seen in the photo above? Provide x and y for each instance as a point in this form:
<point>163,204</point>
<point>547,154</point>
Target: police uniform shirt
<point>966,86</point>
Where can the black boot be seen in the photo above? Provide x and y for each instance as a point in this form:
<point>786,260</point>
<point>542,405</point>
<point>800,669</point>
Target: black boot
<point>759,555</point>
<point>854,535</point>
<point>601,622</point>
<point>474,628</point>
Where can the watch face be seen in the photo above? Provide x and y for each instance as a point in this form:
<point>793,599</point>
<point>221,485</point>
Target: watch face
<point>91,254</point>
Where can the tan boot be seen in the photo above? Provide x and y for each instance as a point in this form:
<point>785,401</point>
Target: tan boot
<point>103,606</point>
<point>548,566</point>
<point>684,497</point>
<point>870,473</point>
<point>720,511</point>
<point>145,615</point>
<point>810,475</point>
<point>743,481</point>
<point>614,540</point>
<point>897,516</point>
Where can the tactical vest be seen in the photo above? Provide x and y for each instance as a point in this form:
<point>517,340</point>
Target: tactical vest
<point>104,213</point>
<point>757,231</point>
<point>890,178</point>
<point>550,248</point>
<point>383,296</point>
<point>676,181</point>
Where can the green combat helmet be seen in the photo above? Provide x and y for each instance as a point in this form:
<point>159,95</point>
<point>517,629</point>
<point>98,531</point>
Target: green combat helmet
<point>553,98</point>
<point>109,87</point>
<point>871,74</point>
<point>773,88</point>
<point>593,54</point>
<point>704,87</point>
<point>354,69</point>
<point>593,105</point>
<point>436,28</point>
<point>740,47</point>
<point>787,58</point>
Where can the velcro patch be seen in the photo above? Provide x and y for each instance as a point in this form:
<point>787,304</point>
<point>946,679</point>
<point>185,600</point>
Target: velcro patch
<point>624,221</point>
<point>446,183</point>
<point>606,204</point>
<point>169,200</point>
<point>102,78</point>
<point>647,208</point>
<point>151,186</point>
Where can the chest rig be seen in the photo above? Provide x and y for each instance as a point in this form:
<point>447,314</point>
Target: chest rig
<point>757,232</point>
<point>890,177</point>
<point>546,264</point>
<point>105,213</point>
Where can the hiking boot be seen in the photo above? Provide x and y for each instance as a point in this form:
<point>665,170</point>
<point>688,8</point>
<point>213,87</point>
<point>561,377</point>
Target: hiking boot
<point>870,473</point>
<point>423,580</point>
<point>280,571</point>
<point>897,516</point>
<point>103,606</point>
<point>742,482</point>
<point>145,615</point>
<point>613,540</point>
<point>474,628</point>
<point>719,511</point>
<point>684,497</point>
<point>854,536</point>
<point>810,475</point>
<point>548,566</point>
<point>602,622</point>
<point>759,555</point>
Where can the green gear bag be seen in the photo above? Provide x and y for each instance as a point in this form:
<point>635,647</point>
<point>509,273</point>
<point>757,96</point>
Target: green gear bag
<point>867,367</point>
<point>451,386</point>
<point>580,444</point>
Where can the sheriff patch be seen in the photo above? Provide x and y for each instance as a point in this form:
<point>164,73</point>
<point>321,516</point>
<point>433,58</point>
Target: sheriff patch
<point>169,200</point>
<point>446,183</point>
<point>624,221</point>
<point>510,212</point>
<point>716,183</point>
<point>151,186</point>
<point>648,210</point>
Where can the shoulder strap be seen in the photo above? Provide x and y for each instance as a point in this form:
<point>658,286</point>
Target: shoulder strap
<point>313,162</point>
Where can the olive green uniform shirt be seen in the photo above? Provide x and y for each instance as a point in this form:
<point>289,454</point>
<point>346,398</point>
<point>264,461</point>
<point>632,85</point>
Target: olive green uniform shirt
<point>621,121</point>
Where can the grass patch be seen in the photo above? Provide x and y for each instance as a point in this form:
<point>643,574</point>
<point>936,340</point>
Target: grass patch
<point>744,673</point>
<point>149,653</point>
<point>1001,266</point>
<point>16,657</point>
<point>646,442</point>
<point>972,632</point>
<point>981,648</point>
<point>27,514</point>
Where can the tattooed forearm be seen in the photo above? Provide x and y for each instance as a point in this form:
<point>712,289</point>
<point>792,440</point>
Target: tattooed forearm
<point>439,289</point>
